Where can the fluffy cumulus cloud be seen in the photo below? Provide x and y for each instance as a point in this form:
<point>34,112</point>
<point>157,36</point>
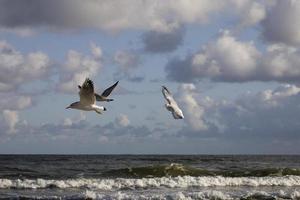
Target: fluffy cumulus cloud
<point>127,61</point>
<point>122,120</point>
<point>230,60</point>
<point>107,15</point>
<point>249,12</point>
<point>161,42</point>
<point>193,111</point>
<point>77,67</point>
<point>14,101</point>
<point>11,104</point>
<point>11,118</point>
<point>281,24</point>
<point>269,114</point>
<point>17,69</point>
<point>79,130</point>
<point>75,121</point>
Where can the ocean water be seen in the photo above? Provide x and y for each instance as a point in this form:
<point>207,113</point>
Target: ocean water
<point>149,177</point>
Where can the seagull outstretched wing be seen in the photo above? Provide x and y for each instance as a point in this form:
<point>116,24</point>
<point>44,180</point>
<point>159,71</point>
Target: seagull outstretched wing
<point>106,93</point>
<point>168,96</point>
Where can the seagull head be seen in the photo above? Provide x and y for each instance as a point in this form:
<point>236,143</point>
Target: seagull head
<point>180,114</point>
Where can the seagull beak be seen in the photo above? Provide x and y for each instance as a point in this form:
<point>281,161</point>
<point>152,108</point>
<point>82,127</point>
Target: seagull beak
<point>68,107</point>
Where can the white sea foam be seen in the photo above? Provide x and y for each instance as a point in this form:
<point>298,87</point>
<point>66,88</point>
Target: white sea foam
<point>168,182</point>
<point>176,195</point>
<point>184,195</point>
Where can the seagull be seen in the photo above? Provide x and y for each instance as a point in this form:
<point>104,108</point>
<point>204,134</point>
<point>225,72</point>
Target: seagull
<point>87,100</point>
<point>105,94</point>
<point>172,105</point>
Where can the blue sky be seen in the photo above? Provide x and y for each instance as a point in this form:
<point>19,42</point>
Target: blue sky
<point>233,67</point>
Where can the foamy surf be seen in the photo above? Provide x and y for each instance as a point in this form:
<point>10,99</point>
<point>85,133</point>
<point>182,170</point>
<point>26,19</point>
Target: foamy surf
<point>200,195</point>
<point>246,193</point>
<point>143,177</point>
<point>168,182</point>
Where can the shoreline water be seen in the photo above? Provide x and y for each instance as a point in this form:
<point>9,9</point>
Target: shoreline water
<point>149,177</point>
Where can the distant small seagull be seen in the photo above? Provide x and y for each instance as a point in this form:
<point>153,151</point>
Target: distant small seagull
<point>105,94</point>
<point>87,98</point>
<point>172,105</point>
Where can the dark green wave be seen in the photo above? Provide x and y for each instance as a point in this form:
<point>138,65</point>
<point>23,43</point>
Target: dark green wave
<point>183,170</point>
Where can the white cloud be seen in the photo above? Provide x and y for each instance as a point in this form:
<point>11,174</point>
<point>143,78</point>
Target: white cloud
<point>11,118</point>
<point>230,60</point>
<point>249,12</point>
<point>126,60</point>
<point>78,67</point>
<point>122,120</point>
<point>193,111</point>
<point>268,99</point>
<point>67,122</point>
<point>23,102</point>
<point>281,24</point>
<point>77,120</point>
<point>14,101</point>
<point>267,114</point>
<point>17,69</point>
<point>280,63</point>
<point>255,14</point>
<point>96,51</point>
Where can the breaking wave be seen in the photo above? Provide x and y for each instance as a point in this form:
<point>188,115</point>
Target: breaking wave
<point>183,170</point>
<point>175,195</point>
<point>168,182</point>
<point>203,195</point>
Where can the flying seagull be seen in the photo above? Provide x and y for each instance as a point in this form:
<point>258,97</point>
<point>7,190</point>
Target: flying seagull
<point>172,105</point>
<point>105,94</point>
<point>87,100</point>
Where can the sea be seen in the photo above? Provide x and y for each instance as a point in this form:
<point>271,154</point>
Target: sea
<point>217,177</point>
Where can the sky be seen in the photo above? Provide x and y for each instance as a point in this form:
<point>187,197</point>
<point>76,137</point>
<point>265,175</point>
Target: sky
<point>233,66</point>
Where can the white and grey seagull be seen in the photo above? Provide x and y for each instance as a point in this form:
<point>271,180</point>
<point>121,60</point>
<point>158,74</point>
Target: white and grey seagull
<point>87,100</point>
<point>172,106</point>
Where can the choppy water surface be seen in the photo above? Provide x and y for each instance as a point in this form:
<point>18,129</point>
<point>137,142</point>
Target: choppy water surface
<point>149,177</point>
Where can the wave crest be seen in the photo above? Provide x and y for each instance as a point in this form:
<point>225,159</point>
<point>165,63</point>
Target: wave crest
<point>168,182</point>
<point>175,169</point>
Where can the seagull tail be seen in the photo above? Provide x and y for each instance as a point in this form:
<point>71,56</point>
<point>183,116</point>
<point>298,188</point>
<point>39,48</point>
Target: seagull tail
<point>99,109</point>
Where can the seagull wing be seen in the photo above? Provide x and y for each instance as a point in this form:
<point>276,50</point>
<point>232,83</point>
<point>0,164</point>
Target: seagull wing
<point>99,97</point>
<point>86,93</point>
<point>107,92</point>
<point>168,96</point>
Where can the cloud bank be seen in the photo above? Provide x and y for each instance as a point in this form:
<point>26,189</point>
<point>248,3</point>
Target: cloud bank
<point>228,59</point>
<point>17,68</point>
